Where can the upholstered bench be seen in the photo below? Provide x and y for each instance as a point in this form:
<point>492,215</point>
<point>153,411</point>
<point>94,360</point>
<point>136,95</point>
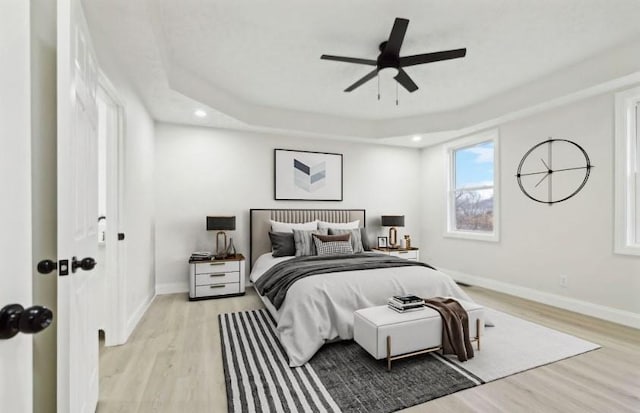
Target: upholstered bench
<point>385,333</point>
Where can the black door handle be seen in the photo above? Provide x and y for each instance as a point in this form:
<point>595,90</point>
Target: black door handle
<point>15,319</point>
<point>85,264</point>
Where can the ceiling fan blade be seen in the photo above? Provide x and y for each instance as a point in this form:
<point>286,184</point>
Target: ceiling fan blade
<point>403,78</point>
<point>432,57</point>
<point>349,60</point>
<point>396,37</point>
<point>362,81</point>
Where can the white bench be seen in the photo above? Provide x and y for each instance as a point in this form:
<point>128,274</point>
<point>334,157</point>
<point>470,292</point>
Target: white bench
<point>385,333</point>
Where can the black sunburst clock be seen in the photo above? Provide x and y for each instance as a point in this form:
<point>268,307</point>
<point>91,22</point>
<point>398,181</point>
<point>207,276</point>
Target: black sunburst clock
<point>559,160</point>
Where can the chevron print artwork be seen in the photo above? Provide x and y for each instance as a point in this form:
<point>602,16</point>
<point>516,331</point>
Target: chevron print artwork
<point>310,178</point>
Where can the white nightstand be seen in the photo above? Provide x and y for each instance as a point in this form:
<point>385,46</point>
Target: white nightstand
<point>216,278</point>
<point>412,254</point>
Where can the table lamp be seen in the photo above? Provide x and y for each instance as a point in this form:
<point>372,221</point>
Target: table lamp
<point>221,224</point>
<point>393,221</point>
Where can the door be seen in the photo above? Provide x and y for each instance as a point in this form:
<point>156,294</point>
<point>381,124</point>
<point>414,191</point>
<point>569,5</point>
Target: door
<point>77,211</point>
<point>15,206</point>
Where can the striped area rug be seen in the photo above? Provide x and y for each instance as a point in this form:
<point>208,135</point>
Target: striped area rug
<point>257,374</point>
<point>341,377</point>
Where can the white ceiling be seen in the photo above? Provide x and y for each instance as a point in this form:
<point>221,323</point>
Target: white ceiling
<point>256,65</point>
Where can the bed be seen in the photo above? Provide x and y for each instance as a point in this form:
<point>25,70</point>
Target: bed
<point>320,308</point>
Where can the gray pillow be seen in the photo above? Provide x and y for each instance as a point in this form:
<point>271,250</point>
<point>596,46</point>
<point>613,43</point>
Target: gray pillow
<point>365,239</point>
<point>356,238</point>
<point>282,244</point>
<point>304,244</point>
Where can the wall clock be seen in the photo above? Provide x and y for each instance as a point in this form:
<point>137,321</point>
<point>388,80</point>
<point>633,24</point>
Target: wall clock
<point>553,171</point>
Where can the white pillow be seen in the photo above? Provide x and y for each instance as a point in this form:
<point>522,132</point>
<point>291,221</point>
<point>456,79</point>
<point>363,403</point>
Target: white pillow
<point>339,225</point>
<point>288,227</point>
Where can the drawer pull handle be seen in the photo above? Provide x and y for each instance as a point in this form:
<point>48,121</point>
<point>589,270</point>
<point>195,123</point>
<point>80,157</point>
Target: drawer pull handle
<point>217,286</point>
<point>218,274</point>
<point>403,252</point>
<point>216,263</point>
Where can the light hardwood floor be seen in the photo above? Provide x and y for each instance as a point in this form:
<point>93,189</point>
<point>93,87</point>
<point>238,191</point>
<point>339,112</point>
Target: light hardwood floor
<point>172,363</point>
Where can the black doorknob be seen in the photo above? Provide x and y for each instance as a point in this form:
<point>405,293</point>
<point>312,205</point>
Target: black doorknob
<point>35,319</point>
<point>15,319</point>
<point>46,266</point>
<point>85,264</point>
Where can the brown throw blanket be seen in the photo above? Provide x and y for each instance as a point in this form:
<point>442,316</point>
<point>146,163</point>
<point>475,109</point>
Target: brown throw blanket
<point>455,327</point>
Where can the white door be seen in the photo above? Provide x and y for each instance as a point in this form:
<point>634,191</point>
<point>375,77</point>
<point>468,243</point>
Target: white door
<point>77,211</point>
<point>15,200</point>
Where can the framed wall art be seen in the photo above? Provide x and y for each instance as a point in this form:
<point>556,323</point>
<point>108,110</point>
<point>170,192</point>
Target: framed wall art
<point>307,176</point>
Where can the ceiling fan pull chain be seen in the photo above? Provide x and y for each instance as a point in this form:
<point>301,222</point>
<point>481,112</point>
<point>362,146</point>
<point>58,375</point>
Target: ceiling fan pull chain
<point>378,76</point>
<point>396,93</point>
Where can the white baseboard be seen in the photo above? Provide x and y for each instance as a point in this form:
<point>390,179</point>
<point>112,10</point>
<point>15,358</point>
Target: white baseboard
<point>135,318</point>
<point>172,288</point>
<point>614,315</point>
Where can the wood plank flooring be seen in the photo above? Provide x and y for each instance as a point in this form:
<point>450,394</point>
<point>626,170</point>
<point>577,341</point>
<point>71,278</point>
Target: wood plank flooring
<point>172,363</point>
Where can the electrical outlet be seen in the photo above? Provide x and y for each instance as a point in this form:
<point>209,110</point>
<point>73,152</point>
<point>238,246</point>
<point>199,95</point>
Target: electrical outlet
<point>564,281</point>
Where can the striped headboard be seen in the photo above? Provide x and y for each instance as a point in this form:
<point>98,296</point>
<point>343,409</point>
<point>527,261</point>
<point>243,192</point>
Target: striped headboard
<point>259,242</point>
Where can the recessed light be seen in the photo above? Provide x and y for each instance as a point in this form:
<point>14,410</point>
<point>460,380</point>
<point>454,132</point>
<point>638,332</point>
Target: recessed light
<point>200,113</point>
<point>416,138</point>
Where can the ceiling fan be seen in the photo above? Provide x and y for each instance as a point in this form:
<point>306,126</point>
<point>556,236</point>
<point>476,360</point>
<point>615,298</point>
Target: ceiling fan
<point>389,60</point>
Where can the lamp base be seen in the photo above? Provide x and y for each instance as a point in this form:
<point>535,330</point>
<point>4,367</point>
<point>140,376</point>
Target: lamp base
<point>393,237</point>
<point>221,253</point>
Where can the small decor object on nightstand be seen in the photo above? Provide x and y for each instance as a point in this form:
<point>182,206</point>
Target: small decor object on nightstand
<point>553,171</point>
<point>393,221</point>
<point>382,242</point>
<point>221,224</point>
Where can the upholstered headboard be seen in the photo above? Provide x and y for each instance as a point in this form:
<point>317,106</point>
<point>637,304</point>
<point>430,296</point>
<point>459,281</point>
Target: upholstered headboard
<point>261,225</point>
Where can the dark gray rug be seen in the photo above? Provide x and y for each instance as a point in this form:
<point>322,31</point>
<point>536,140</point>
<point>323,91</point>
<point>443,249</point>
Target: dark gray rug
<point>341,377</point>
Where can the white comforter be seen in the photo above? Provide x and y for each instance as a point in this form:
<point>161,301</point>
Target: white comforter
<point>320,308</point>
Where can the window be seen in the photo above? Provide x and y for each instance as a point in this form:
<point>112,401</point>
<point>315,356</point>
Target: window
<point>473,187</point>
<point>627,173</point>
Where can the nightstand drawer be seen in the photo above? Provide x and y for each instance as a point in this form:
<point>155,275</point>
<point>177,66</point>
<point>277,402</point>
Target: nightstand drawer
<point>218,278</point>
<point>217,267</point>
<point>409,255</point>
<point>217,289</point>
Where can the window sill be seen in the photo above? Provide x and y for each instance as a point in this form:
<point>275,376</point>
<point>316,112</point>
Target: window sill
<point>627,250</point>
<point>476,236</point>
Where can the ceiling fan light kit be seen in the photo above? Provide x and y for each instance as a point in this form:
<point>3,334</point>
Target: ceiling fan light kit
<point>390,64</point>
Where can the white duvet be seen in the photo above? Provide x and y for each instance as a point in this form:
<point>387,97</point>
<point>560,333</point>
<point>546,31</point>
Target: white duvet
<point>320,308</point>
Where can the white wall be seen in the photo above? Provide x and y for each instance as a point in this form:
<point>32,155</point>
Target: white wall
<point>205,171</point>
<point>539,243</point>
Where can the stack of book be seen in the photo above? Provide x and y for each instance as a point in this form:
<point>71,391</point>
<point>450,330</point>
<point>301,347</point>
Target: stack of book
<point>405,303</point>
<point>201,256</point>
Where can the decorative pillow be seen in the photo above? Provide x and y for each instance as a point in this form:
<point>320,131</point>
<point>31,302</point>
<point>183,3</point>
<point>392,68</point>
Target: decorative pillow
<point>365,239</point>
<point>289,227</point>
<point>356,238</point>
<point>326,238</point>
<point>304,243</point>
<point>339,225</point>
<point>282,244</point>
<point>333,247</point>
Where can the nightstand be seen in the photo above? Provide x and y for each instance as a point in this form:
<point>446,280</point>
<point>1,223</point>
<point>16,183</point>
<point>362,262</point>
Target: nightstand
<point>216,278</point>
<point>412,254</point>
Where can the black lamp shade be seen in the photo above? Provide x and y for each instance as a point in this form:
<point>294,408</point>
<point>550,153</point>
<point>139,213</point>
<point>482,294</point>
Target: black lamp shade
<point>393,220</point>
<point>221,223</point>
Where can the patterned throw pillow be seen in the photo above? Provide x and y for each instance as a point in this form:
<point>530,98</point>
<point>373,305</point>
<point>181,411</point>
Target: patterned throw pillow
<point>333,247</point>
<point>356,238</point>
<point>304,243</point>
